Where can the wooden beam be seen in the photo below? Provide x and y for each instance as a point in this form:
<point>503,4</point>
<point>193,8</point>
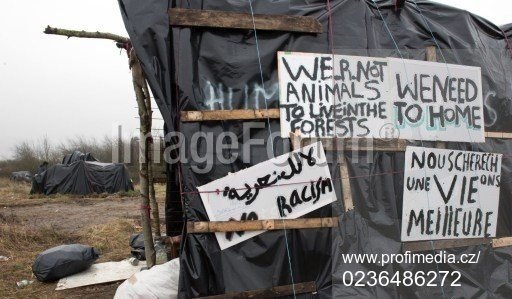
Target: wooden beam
<point>241,114</point>
<point>442,244</point>
<point>502,242</point>
<point>273,113</point>
<point>503,135</point>
<point>279,291</point>
<point>345,184</point>
<point>200,227</point>
<point>295,140</point>
<point>239,20</point>
<point>358,144</point>
<point>431,55</point>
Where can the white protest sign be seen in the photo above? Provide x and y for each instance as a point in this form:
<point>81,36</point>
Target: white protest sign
<point>288,186</point>
<point>437,101</point>
<point>325,95</point>
<point>450,194</point>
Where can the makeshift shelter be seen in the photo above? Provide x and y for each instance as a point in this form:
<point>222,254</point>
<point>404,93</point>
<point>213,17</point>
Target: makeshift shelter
<point>82,174</point>
<point>77,156</point>
<point>192,64</point>
<point>21,176</point>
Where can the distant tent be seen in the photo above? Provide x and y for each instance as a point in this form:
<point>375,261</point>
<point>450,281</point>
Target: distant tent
<point>21,176</point>
<point>77,156</point>
<point>82,174</point>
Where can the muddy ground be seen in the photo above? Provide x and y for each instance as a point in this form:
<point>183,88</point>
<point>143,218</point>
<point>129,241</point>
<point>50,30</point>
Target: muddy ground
<point>31,224</point>
<point>77,214</point>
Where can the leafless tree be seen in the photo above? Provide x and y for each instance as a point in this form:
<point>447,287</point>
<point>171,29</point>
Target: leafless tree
<point>148,200</point>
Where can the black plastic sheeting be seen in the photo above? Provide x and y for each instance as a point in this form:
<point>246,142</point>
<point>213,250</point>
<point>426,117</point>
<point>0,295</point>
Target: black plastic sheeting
<point>77,156</point>
<point>137,246</point>
<point>64,260</point>
<point>83,177</point>
<point>21,176</point>
<point>214,69</point>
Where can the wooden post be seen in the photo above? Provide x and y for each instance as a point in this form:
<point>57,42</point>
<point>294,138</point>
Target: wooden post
<point>236,114</point>
<point>333,144</point>
<point>141,93</point>
<point>146,141</point>
<point>431,55</point>
<point>345,183</point>
<point>296,140</point>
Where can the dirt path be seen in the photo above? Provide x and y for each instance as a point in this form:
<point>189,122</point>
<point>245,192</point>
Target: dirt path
<point>77,214</point>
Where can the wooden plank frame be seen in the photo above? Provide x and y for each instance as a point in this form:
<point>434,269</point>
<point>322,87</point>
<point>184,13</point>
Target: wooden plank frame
<point>273,113</point>
<point>342,144</point>
<point>279,291</point>
<point>201,227</point>
<point>354,144</point>
<point>455,243</point>
<point>183,17</point>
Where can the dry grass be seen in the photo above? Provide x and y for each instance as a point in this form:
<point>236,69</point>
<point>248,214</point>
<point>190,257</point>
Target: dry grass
<point>111,239</point>
<point>22,245</point>
<point>15,194</point>
<point>21,242</point>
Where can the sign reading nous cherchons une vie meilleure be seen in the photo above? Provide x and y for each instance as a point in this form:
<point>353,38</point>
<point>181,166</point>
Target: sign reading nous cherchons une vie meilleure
<point>288,186</point>
<point>450,194</point>
<point>325,95</point>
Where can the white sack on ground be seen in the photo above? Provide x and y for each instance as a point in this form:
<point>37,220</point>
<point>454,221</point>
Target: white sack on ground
<point>161,281</point>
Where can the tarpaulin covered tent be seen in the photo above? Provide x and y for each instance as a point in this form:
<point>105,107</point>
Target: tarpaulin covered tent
<point>23,175</point>
<point>77,156</point>
<point>82,175</point>
<point>220,69</point>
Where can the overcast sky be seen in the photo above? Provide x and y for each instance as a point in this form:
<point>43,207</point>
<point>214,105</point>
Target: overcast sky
<point>59,87</point>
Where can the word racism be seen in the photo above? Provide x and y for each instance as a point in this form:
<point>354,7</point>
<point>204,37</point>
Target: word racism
<point>450,194</point>
<point>288,186</point>
<point>348,96</point>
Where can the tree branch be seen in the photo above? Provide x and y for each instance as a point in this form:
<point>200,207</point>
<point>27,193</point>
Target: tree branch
<point>86,34</point>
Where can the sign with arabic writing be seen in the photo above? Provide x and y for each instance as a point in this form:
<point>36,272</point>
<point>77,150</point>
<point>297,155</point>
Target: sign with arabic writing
<point>285,187</point>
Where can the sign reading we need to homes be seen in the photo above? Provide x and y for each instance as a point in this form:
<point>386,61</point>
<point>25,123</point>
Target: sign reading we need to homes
<point>285,187</point>
<point>450,194</point>
<point>325,95</point>
<point>436,101</point>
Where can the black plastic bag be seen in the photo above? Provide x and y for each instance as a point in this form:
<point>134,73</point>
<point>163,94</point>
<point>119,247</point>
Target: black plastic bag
<point>61,261</point>
<point>137,245</point>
